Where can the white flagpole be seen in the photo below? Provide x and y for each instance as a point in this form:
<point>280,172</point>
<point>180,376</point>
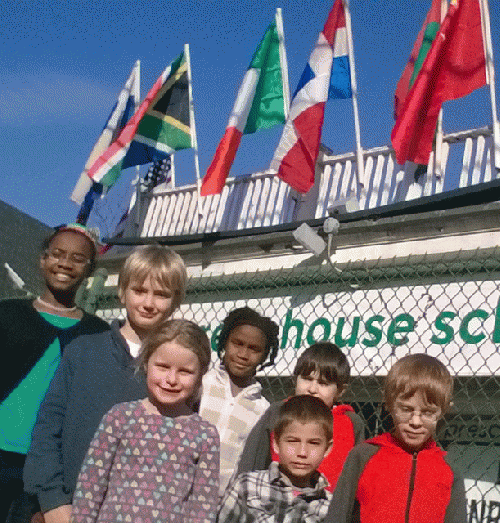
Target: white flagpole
<point>194,141</point>
<point>283,62</point>
<point>350,46</point>
<point>439,128</point>
<point>172,171</point>
<point>138,199</point>
<point>490,76</point>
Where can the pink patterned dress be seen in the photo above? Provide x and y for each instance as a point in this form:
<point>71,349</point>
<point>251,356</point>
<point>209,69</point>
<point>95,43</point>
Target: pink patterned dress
<point>147,468</point>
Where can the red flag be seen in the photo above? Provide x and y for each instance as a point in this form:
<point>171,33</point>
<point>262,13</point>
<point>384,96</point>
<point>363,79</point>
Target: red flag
<point>454,67</point>
<point>405,83</point>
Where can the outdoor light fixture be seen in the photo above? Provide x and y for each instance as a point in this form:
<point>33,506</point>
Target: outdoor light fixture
<point>310,239</point>
<point>331,226</point>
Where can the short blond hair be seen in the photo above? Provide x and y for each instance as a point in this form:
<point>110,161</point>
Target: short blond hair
<point>164,266</point>
<point>419,373</point>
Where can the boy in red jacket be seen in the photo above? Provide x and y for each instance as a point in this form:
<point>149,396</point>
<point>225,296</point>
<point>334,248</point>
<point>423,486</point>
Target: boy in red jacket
<point>403,476</point>
<point>322,371</point>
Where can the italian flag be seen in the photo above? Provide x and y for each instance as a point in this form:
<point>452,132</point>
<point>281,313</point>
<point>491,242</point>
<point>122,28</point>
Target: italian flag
<point>259,105</point>
<point>420,49</point>
<point>454,67</point>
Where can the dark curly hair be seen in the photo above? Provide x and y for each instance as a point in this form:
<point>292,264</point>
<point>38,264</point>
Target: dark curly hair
<point>247,316</point>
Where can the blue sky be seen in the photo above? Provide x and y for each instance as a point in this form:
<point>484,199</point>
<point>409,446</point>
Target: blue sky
<point>63,64</point>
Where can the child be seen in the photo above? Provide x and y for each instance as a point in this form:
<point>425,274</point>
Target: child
<point>34,333</point>
<point>404,476</point>
<point>154,459</point>
<point>97,372</point>
<point>232,398</point>
<point>292,490</point>
<point>323,371</point>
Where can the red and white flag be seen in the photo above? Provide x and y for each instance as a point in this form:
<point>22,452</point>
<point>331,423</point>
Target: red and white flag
<point>327,75</point>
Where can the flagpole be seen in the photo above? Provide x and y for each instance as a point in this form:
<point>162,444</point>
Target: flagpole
<point>283,62</point>
<point>439,128</point>
<point>172,171</point>
<point>138,198</point>
<point>350,45</point>
<point>194,141</point>
<point>490,76</point>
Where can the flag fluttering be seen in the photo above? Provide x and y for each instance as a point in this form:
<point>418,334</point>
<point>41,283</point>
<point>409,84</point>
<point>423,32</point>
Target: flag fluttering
<point>94,193</point>
<point>454,67</point>
<point>159,172</point>
<point>420,49</point>
<point>160,126</point>
<point>327,75</point>
<point>127,101</point>
<point>259,105</point>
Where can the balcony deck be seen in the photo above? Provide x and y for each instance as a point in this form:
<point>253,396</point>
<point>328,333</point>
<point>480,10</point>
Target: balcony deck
<point>261,199</point>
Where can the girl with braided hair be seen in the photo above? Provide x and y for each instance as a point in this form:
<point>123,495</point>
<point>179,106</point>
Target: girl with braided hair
<point>232,398</point>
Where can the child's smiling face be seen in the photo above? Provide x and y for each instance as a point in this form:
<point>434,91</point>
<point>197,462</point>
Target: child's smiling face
<point>147,303</point>
<point>173,376</point>
<point>66,261</point>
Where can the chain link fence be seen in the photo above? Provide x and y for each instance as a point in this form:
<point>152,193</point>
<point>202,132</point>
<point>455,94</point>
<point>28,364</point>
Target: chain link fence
<point>378,312</point>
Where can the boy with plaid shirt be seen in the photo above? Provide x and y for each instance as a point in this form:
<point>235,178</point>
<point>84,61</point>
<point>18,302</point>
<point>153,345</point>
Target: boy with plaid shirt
<point>291,490</point>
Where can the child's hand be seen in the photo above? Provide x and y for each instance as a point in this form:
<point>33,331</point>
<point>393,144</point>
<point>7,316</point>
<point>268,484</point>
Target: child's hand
<point>60,514</point>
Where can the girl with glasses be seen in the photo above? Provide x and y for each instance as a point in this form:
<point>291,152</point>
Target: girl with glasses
<point>34,333</point>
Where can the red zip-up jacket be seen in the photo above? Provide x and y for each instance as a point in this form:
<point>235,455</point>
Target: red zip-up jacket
<point>383,483</point>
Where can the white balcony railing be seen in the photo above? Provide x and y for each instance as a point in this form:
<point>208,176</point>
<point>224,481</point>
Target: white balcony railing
<point>261,199</point>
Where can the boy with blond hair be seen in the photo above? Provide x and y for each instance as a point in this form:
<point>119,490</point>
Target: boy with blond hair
<point>97,372</point>
<point>292,489</point>
<point>403,476</point>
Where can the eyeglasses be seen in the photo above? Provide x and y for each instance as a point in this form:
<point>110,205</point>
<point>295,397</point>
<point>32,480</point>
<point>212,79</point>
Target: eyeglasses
<point>405,414</point>
<point>79,260</point>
